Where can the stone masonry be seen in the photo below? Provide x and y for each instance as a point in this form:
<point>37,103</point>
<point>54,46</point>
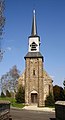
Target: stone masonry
<point>37,83</point>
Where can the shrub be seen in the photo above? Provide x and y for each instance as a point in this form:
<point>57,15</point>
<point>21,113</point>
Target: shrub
<point>2,94</point>
<point>20,95</point>
<point>58,93</point>
<point>49,100</point>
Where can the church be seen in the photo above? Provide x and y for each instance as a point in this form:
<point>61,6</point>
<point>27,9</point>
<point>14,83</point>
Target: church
<point>38,84</point>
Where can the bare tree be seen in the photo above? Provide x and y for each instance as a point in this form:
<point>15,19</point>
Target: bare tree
<point>2,22</point>
<point>9,81</point>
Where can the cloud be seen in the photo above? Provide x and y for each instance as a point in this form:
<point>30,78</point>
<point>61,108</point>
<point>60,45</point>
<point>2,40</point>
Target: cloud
<point>9,48</point>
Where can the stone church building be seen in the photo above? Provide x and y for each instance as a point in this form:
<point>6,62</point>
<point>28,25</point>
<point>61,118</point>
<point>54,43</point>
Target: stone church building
<point>37,82</point>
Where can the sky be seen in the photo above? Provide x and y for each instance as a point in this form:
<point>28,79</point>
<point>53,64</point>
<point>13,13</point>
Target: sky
<point>50,18</point>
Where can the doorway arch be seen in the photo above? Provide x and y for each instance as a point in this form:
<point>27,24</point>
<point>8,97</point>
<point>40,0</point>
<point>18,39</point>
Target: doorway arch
<point>34,97</point>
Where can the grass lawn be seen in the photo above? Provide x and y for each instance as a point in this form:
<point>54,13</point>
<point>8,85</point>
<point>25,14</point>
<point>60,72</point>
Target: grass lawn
<point>13,102</point>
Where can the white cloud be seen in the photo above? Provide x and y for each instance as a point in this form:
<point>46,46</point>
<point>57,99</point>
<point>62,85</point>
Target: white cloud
<point>9,48</point>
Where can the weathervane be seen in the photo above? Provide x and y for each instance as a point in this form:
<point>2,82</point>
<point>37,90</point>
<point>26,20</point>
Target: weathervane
<point>2,22</point>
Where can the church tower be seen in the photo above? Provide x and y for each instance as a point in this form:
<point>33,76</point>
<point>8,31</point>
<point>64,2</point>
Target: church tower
<point>34,86</point>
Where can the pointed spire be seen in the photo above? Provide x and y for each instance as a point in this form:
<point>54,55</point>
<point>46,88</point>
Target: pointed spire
<point>34,27</point>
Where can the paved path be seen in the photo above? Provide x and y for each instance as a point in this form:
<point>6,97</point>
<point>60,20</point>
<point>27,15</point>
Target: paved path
<point>23,114</point>
<point>39,108</point>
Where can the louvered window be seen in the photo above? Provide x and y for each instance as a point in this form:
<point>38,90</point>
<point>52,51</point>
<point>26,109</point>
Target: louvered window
<point>33,46</point>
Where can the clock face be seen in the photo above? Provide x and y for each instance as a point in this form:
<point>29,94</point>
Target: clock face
<point>33,46</point>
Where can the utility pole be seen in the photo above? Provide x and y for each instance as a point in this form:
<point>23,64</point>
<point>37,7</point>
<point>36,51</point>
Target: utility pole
<point>2,22</point>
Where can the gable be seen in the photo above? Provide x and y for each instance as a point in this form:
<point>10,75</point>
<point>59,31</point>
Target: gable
<point>46,75</point>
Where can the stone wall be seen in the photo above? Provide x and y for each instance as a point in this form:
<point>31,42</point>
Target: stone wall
<point>39,82</point>
<point>34,80</point>
<point>60,110</point>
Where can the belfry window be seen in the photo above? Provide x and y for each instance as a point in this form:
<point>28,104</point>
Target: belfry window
<point>33,72</point>
<point>33,46</point>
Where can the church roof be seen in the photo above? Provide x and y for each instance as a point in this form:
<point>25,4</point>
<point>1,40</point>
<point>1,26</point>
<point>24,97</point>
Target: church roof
<point>33,55</point>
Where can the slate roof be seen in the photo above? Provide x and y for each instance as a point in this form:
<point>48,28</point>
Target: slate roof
<point>33,55</point>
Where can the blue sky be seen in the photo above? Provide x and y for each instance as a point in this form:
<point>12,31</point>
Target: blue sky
<point>50,17</point>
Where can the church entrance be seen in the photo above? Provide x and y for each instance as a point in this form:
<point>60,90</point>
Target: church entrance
<point>33,98</point>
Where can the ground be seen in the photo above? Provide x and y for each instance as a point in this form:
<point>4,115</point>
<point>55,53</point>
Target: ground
<point>23,114</point>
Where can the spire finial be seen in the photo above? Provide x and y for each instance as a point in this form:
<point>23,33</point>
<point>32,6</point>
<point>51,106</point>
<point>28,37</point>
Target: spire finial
<point>34,27</point>
<point>34,11</point>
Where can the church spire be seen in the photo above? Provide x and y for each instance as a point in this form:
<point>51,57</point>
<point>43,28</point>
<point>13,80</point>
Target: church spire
<point>34,27</point>
<point>34,39</point>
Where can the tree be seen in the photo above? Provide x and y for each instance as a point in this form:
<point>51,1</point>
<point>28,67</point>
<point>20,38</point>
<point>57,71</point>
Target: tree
<point>8,94</point>
<point>2,94</point>
<point>58,93</point>
<point>9,81</point>
<point>64,84</point>
<point>14,73</point>
<point>20,95</point>
<point>64,88</point>
<point>49,100</point>
<point>2,22</point>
